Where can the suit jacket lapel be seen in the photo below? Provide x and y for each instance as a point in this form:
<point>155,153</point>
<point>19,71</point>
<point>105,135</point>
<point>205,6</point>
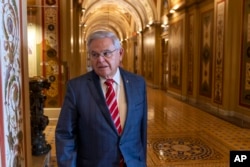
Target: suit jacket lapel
<point>97,93</point>
<point>128,89</point>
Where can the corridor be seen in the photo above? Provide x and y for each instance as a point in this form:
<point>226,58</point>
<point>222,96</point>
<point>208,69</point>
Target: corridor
<point>180,135</point>
<point>195,50</point>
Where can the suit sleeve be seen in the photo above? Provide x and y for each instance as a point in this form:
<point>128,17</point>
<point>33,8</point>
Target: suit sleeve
<point>144,121</point>
<point>65,134</point>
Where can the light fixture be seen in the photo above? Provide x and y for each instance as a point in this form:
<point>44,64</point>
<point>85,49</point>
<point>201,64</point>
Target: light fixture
<point>172,11</point>
<point>176,7</point>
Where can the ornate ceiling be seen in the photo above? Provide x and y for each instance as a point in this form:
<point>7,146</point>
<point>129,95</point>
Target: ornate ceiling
<point>125,17</point>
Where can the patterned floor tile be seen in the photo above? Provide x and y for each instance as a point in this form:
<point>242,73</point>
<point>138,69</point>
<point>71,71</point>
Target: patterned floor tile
<point>189,148</point>
<point>181,135</point>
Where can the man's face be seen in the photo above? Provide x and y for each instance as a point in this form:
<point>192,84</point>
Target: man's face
<point>105,58</point>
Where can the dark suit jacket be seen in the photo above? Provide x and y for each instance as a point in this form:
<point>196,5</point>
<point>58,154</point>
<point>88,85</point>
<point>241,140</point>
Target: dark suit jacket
<point>85,133</point>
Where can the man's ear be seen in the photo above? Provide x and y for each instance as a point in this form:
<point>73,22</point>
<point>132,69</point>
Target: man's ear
<point>121,51</point>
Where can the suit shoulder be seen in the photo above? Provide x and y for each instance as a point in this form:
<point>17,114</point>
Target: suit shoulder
<point>132,75</point>
<point>79,79</point>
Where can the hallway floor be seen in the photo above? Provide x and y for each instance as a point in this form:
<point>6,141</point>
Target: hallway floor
<point>180,135</point>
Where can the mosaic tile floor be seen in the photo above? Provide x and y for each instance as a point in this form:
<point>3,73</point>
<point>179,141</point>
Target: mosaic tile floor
<point>180,135</point>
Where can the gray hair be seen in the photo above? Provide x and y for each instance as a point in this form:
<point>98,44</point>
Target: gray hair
<point>104,34</point>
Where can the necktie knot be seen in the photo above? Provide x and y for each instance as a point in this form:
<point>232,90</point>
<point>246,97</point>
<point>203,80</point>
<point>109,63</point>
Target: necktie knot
<point>109,82</point>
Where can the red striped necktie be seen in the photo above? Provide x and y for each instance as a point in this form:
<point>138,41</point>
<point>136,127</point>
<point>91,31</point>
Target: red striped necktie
<point>112,104</point>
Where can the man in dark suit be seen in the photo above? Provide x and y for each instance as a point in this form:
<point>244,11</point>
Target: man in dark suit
<point>86,134</point>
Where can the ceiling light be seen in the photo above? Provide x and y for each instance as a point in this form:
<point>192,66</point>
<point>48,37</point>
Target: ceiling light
<point>172,11</point>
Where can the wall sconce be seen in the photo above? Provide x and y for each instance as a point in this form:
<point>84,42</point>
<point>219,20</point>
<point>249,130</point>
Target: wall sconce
<point>164,25</point>
<point>172,11</point>
<point>82,11</point>
<point>82,25</point>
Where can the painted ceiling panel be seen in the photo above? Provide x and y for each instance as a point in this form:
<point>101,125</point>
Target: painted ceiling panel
<point>126,16</point>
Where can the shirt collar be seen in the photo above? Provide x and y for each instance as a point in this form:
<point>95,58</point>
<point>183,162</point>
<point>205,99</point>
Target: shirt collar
<point>116,77</point>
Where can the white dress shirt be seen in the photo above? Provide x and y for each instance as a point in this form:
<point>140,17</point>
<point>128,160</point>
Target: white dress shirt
<point>120,95</point>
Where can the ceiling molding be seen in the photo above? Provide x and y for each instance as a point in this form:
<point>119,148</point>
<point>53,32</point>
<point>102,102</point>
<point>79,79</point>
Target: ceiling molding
<point>128,16</point>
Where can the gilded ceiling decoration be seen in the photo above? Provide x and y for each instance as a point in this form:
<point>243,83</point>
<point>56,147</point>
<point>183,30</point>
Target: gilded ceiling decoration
<point>123,17</point>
